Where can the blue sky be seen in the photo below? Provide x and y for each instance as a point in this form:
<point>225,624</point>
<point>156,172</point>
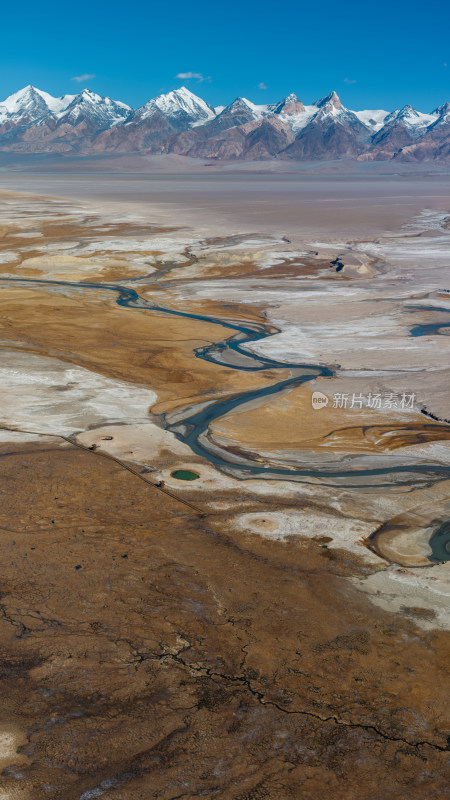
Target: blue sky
<point>375,55</point>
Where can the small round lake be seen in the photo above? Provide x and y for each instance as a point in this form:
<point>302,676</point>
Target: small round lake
<point>185,475</point>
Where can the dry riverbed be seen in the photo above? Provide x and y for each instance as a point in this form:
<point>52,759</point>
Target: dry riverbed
<point>274,627</point>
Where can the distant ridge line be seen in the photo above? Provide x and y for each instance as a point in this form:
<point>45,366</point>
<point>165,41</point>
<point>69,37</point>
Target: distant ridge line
<point>182,123</point>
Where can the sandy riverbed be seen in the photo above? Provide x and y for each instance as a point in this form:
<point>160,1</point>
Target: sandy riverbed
<point>154,584</point>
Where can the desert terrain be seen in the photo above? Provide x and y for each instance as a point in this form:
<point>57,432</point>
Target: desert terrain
<point>225,478</point>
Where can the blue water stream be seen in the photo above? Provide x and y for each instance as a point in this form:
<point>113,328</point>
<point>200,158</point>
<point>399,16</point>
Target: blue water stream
<point>192,429</point>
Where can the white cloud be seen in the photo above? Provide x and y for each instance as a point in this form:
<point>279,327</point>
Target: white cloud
<point>87,76</point>
<point>262,85</point>
<point>188,76</point>
<point>349,80</point>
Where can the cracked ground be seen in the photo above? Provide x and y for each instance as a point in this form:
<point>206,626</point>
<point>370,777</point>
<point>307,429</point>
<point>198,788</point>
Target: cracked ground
<point>144,655</point>
<point>155,643</point>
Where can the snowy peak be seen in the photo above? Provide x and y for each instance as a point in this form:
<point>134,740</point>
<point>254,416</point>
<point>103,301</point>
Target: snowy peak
<point>410,117</point>
<point>179,121</point>
<point>237,103</point>
<point>290,105</point>
<point>441,117</point>
<point>28,104</point>
<point>89,107</point>
<point>89,98</point>
<point>291,99</point>
<point>54,104</point>
<point>239,112</point>
<point>179,106</point>
<point>240,104</point>
<point>31,105</point>
<point>442,111</point>
<point>330,100</point>
<point>401,129</point>
<point>23,99</point>
<point>330,110</point>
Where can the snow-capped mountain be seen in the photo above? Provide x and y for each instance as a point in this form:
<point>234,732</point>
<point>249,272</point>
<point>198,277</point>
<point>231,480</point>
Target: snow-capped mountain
<point>32,115</point>
<point>442,113</point>
<point>289,106</point>
<point>415,120</point>
<point>29,105</point>
<point>331,131</point>
<point>181,107</point>
<point>154,123</point>
<point>293,113</point>
<point>239,112</point>
<point>400,129</point>
<point>91,108</point>
<point>433,143</point>
<point>33,121</point>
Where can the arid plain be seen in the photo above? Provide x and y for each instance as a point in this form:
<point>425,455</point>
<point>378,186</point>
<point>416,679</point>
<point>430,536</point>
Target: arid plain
<point>211,585</point>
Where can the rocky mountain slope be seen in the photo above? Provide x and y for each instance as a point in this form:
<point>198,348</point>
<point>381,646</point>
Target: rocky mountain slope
<point>32,121</point>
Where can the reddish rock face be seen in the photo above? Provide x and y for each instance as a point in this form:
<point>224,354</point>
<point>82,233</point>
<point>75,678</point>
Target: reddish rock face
<point>293,108</point>
<point>331,98</point>
<point>290,105</point>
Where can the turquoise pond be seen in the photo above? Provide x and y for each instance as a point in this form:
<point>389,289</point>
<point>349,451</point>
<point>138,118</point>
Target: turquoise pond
<point>185,475</point>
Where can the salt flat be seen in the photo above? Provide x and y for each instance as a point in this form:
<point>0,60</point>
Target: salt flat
<point>183,322</point>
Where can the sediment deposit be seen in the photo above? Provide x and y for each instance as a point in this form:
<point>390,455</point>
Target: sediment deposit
<point>277,626</point>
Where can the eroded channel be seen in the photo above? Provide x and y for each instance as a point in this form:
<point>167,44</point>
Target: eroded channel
<point>192,429</point>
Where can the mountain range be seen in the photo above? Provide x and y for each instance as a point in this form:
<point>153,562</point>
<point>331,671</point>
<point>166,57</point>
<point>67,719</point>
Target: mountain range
<point>32,121</point>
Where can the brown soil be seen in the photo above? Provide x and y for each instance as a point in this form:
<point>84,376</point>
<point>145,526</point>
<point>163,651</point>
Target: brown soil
<point>290,421</point>
<point>150,653</point>
<point>146,655</point>
<point>139,346</point>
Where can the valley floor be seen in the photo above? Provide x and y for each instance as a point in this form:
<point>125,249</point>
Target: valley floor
<point>276,627</point>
